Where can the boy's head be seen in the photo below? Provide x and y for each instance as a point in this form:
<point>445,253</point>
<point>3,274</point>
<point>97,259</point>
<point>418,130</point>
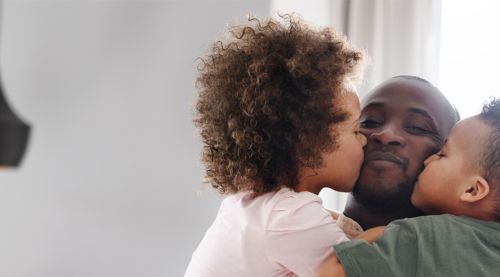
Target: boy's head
<point>464,177</point>
<point>267,102</point>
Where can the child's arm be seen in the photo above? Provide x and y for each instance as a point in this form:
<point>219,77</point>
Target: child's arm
<point>372,234</point>
<point>332,267</point>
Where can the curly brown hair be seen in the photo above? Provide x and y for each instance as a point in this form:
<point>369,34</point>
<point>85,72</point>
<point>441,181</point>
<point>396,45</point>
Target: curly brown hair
<point>266,102</point>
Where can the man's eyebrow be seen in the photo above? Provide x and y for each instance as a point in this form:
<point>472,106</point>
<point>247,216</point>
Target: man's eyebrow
<point>421,112</point>
<point>425,114</point>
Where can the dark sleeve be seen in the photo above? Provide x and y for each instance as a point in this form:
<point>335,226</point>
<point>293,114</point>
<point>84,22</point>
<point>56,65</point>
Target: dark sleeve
<point>394,254</point>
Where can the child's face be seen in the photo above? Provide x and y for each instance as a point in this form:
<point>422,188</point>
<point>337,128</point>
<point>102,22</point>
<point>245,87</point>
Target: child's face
<point>343,164</point>
<point>447,172</point>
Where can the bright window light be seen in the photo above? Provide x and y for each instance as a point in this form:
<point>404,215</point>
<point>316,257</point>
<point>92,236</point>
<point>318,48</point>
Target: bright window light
<point>470,53</point>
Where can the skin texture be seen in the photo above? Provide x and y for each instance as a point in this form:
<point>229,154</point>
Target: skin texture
<point>405,120</point>
<point>341,166</point>
<point>452,180</point>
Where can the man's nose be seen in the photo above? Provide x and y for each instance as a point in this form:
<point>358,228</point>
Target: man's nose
<point>387,135</point>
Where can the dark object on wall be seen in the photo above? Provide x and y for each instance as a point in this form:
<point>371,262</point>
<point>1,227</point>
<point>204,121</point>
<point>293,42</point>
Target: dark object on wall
<point>14,134</point>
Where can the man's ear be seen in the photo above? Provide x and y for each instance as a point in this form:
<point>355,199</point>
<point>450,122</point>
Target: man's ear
<point>475,190</point>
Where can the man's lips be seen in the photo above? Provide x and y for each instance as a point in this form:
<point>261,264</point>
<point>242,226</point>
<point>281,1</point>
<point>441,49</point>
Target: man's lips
<point>384,156</point>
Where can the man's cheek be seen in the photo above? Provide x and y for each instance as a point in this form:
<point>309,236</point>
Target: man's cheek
<point>414,170</point>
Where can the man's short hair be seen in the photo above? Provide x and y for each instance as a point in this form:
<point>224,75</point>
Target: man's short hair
<point>455,112</point>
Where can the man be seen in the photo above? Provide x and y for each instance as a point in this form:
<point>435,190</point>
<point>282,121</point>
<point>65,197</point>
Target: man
<point>405,120</point>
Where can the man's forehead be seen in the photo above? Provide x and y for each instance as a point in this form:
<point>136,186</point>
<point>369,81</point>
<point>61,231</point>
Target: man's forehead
<point>413,96</point>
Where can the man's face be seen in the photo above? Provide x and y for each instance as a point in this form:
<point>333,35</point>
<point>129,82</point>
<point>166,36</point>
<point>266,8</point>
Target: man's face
<point>405,121</point>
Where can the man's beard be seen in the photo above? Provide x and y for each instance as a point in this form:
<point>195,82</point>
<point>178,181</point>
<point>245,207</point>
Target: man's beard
<point>372,195</point>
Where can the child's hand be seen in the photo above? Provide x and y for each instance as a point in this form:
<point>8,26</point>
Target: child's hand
<point>331,267</point>
<point>372,234</point>
<point>335,215</point>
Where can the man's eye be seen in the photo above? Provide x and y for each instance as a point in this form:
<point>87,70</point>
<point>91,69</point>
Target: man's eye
<point>368,123</point>
<point>417,130</point>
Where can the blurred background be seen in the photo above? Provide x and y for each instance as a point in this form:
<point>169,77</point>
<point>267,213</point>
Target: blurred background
<point>111,181</point>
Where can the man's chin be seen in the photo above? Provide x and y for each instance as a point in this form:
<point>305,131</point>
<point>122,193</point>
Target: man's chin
<point>382,195</point>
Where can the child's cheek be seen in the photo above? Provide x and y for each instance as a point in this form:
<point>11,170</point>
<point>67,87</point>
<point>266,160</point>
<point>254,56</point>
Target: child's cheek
<point>415,197</point>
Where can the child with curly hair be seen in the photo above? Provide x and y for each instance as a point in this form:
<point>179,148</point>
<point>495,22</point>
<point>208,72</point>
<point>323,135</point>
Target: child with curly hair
<point>279,119</point>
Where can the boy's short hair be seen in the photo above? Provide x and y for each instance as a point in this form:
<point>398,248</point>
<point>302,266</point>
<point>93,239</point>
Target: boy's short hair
<point>490,158</point>
<point>266,102</point>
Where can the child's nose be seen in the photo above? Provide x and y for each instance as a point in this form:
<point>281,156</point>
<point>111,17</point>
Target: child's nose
<point>430,159</point>
<point>364,140</point>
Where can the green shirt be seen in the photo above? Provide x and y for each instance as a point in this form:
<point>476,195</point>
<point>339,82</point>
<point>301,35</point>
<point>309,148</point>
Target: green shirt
<point>437,245</point>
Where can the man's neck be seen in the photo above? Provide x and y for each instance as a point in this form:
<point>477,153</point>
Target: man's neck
<point>369,217</point>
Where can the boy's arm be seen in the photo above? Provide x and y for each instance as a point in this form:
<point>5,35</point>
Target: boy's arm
<point>372,234</point>
<point>392,254</point>
<point>332,267</point>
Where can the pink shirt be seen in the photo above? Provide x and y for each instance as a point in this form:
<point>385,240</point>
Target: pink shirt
<point>283,233</point>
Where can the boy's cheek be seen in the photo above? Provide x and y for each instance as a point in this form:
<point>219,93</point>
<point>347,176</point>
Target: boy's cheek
<point>415,196</point>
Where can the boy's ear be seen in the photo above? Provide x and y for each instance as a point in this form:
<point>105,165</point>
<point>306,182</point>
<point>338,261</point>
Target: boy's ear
<point>475,190</point>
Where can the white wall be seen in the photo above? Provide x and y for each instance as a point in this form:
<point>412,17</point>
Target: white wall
<point>110,185</point>
<point>468,72</point>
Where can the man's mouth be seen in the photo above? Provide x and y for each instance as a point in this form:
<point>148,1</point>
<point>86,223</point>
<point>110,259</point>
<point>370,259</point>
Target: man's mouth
<point>386,157</point>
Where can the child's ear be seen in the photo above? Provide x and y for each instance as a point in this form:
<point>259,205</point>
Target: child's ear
<point>475,190</point>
